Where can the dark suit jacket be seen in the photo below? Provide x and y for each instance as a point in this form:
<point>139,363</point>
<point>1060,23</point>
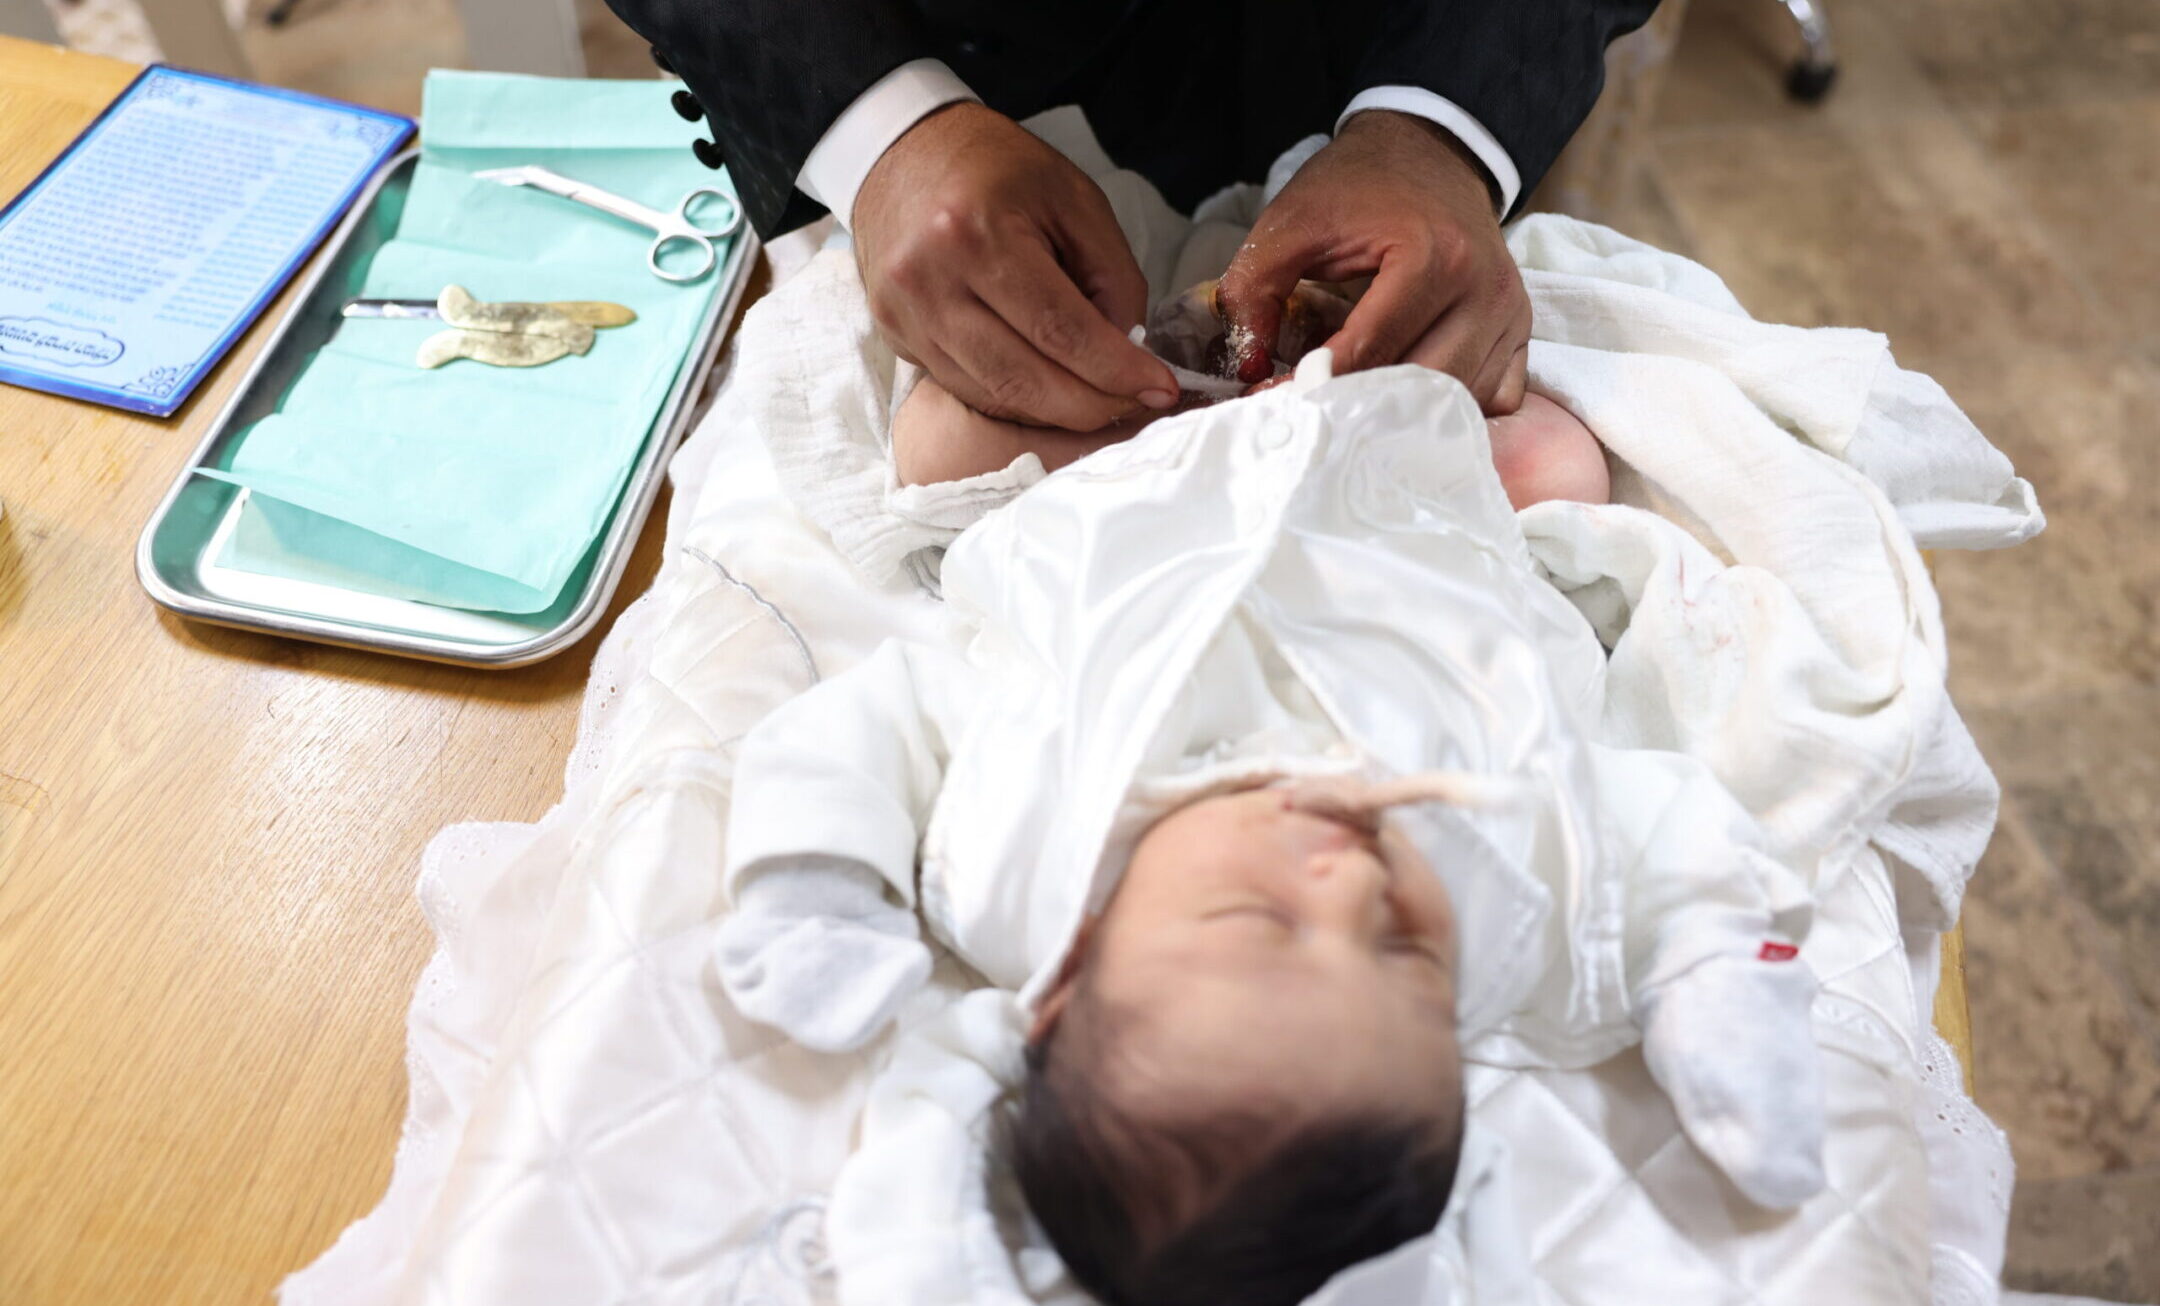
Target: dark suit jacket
<point>1193,94</point>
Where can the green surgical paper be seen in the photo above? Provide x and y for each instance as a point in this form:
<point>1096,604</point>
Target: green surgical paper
<point>472,486</point>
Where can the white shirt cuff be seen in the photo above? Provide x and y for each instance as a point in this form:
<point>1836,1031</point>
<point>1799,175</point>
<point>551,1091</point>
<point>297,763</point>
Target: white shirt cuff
<point>1451,118</point>
<point>862,133</point>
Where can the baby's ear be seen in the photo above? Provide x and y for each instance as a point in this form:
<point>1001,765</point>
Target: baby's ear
<point>1053,1002</point>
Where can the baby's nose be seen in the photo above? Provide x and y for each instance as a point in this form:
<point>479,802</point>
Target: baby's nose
<point>1349,889</point>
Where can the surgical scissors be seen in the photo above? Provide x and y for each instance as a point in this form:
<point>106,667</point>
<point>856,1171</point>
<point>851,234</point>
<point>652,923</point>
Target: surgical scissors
<point>677,230</point>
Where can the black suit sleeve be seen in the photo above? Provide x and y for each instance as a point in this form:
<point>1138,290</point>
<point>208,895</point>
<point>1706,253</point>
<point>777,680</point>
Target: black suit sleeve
<point>1529,70</point>
<point>772,75</point>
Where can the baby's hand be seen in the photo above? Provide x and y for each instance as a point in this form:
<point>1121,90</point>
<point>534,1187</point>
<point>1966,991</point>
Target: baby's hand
<point>1732,1043</point>
<point>821,954</point>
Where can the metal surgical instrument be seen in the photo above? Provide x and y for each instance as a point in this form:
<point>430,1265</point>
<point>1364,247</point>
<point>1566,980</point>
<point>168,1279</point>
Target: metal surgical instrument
<point>676,231</point>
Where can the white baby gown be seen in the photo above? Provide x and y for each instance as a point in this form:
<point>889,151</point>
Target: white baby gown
<point>1327,577</point>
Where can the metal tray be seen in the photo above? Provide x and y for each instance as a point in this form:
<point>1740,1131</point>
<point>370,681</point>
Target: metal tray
<point>176,557</point>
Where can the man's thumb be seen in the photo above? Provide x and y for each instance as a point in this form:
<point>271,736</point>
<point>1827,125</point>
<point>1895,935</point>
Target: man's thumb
<point>1250,300</point>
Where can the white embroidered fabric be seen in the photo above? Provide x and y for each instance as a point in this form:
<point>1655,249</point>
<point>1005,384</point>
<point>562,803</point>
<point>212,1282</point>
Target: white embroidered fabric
<point>591,1122</point>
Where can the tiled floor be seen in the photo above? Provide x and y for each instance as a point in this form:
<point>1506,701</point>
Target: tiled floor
<point>1983,185</point>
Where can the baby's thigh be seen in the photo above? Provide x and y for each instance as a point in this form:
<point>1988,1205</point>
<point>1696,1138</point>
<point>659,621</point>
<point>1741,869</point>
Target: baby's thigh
<point>1543,452</point>
<point>936,438</point>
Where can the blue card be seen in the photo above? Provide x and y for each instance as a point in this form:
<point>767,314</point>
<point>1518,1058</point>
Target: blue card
<point>130,266</point>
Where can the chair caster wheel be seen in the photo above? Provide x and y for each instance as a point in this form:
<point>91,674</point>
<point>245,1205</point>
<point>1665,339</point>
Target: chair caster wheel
<point>1810,82</point>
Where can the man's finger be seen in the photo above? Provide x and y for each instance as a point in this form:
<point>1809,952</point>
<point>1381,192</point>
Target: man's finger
<point>1458,344</point>
<point>1255,288</point>
<point>1506,362</point>
<point>905,354</point>
<point>1485,382</point>
<point>1397,313</point>
<point>1044,308</point>
<point>957,380</point>
<point>924,325</point>
<point>1514,382</point>
<point>1009,378</point>
<point>906,325</point>
<point>1514,379</point>
<point>1100,260</point>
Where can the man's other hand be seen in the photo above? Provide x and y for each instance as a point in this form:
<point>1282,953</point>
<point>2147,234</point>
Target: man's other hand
<point>997,265</point>
<point>1396,198</point>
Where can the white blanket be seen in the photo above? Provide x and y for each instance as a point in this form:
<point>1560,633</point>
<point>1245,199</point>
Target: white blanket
<point>591,1122</point>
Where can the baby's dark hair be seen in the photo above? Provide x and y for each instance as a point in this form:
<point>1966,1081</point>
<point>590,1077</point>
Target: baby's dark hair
<point>1278,1218</point>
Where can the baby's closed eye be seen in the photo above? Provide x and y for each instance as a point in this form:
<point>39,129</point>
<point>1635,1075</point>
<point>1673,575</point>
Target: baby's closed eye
<point>1415,948</point>
<point>1265,914</point>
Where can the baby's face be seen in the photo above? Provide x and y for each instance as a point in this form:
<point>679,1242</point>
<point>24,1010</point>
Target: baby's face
<point>1272,957</point>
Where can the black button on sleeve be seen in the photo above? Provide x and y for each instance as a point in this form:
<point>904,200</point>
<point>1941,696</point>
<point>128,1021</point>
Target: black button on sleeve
<point>687,105</point>
<point>707,153</point>
<point>660,62</point>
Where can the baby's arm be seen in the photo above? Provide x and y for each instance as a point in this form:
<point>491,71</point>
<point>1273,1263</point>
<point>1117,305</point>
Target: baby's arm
<point>831,793</point>
<point>1712,945</point>
<point>1698,887</point>
<point>1542,452</point>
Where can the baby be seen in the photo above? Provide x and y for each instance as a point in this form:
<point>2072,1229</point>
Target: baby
<point>1541,451</point>
<point>1248,1075</point>
<point>1263,787</point>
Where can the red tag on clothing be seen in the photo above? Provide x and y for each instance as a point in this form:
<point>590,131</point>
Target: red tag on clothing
<point>1777,952</point>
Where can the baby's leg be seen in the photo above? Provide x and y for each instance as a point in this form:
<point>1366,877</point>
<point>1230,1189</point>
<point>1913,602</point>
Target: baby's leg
<point>937,438</point>
<point>1542,452</point>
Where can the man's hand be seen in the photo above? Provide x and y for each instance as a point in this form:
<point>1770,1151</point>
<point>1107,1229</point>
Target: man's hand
<point>1399,199</point>
<point>997,265</point>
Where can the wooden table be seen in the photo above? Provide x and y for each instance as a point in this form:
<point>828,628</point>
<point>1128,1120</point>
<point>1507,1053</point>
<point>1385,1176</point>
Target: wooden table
<point>208,841</point>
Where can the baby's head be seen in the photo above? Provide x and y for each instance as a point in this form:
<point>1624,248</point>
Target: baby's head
<point>1247,1078</point>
